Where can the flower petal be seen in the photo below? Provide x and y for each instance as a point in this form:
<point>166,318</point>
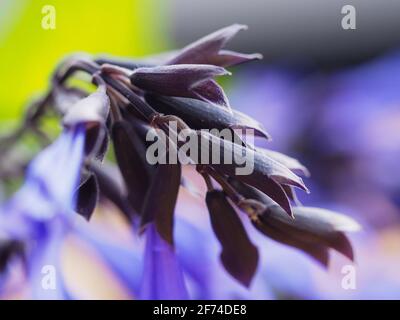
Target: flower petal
<point>124,261</point>
<point>60,162</point>
<point>162,277</point>
<point>45,275</point>
<point>92,110</point>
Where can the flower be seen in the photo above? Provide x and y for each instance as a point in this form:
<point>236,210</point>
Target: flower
<point>162,278</point>
<point>41,215</point>
<point>132,99</point>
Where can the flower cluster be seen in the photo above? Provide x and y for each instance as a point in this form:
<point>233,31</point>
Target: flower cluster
<point>133,97</point>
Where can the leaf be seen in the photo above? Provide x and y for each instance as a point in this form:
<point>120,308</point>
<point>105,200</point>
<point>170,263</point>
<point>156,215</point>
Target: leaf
<point>249,192</point>
<point>140,127</point>
<point>202,115</point>
<point>130,155</point>
<point>317,251</point>
<point>88,196</point>
<point>246,122</point>
<point>267,174</point>
<point>96,142</point>
<point>313,230</point>
<point>112,187</point>
<point>227,58</point>
<point>207,50</point>
<point>8,249</point>
<point>160,201</point>
<point>311,227</point>
<point>239,256</point>
<point>184,80</point>
<point>291,194</point>
<point>324,221</point>
<point>292,163</point>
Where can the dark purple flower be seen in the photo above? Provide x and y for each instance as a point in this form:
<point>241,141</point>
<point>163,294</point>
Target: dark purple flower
<point>42,213</point>
<point>132,99</point>
<point>208,50</point>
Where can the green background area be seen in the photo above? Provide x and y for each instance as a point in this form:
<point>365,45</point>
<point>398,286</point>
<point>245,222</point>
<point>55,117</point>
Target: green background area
<point>29,53</point>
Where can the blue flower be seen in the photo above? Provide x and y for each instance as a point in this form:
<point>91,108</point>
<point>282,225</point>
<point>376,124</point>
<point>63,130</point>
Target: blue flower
<point>162,277</point>
<point>41,214</point>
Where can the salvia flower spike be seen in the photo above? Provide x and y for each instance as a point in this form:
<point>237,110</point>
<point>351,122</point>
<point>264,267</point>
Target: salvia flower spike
<point>132,100</point>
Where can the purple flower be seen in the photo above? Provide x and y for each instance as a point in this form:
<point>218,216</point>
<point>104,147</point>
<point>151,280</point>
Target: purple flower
<point>40,214</point>
<point>162,275</point>
<point>131,99</point>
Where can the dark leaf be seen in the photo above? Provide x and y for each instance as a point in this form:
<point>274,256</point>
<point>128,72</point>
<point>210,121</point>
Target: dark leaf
<point>113,188</point>
<point>311,230</point>
<point>88,196</point>
<point>135,101</point>
<point>227,58</point>
<point>184,80</point>
<point>267,175</point>
<point>130,154</point>
<point>239,256</point>
<point>141,128</point>
<point>96,142</point>
<point>292,163</point>
<point>317,251</point>
<point>249,192</point>
<point>159,204</point>
<point>207,50</point>
<point>202,115</point>
<point>210,91</point>
<point>8,249</point>
<point>291,193</point>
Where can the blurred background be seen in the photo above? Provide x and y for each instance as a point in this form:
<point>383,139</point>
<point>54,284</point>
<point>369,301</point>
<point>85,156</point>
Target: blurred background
<point>328,96</point>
